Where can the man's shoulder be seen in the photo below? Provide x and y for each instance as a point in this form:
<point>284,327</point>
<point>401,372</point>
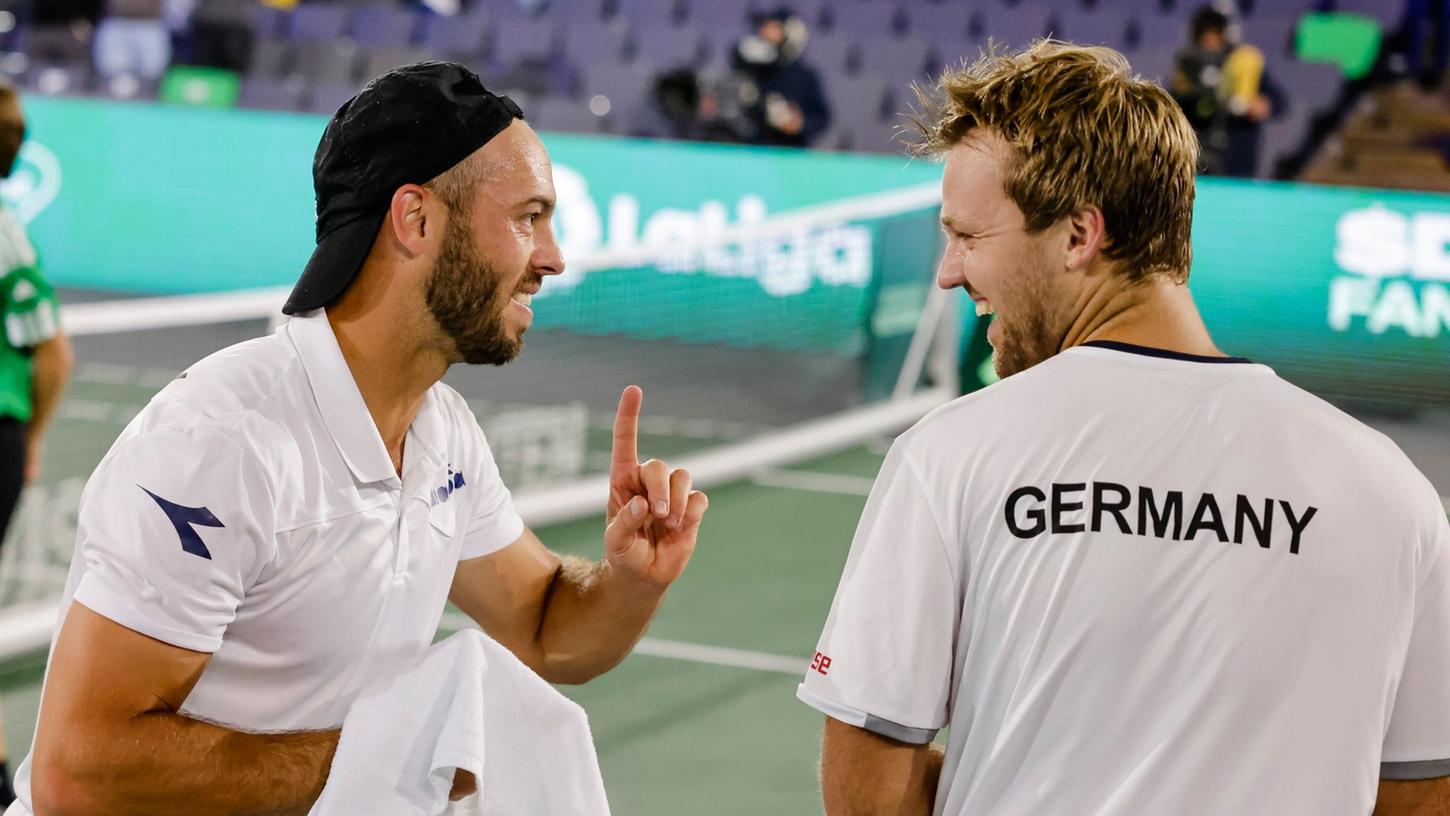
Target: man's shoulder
<point>1368,451</point>
<point>240,391</point>
<point>982,410</point>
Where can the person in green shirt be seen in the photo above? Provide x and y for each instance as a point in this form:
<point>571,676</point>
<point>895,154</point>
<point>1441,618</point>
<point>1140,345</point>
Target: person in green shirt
<point>35,356</point>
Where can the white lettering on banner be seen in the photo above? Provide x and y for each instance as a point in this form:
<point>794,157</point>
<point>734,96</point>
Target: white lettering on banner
<point>1400,267</point>
<point>1430,260</point>
<point>1373,242</point>
<point>783,265</point>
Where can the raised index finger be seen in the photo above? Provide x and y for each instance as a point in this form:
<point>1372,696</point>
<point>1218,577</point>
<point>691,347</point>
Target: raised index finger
<point>626,429</point>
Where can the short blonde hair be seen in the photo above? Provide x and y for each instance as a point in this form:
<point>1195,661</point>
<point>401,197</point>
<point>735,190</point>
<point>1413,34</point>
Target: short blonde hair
<point>1083,130</point>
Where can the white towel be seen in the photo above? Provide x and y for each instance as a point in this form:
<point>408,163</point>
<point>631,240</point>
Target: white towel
<point>469,704</point>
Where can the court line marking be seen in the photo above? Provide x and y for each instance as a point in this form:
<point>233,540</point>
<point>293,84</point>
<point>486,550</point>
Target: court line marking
<point>681,650</point>
<point>791,479</point>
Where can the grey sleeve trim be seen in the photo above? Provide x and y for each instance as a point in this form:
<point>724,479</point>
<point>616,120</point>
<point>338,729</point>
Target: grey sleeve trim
<point>1425,769</point>
<point>868,722</point>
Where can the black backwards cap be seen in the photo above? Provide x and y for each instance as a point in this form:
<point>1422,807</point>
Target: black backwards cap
<point>406,127</point>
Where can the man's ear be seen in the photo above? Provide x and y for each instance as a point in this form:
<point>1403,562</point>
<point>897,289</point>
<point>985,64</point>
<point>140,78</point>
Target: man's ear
<point>408,220</point>
<point>1085,235</point>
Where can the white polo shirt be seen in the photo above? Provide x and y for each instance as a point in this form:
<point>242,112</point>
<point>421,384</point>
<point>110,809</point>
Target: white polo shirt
<point>1133,582</point>
<point>252,511</point>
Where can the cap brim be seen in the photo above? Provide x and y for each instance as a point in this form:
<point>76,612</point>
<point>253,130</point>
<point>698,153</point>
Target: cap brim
<point>334,264</point>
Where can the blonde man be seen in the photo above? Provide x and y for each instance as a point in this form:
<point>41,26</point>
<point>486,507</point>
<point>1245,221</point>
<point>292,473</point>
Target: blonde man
<point>1137,576</point>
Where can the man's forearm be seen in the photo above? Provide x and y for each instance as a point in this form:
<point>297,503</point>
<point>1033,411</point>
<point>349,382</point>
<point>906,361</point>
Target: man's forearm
<point>165,763</point>
<point>593,616</point>
<point>50,370</point>
<point>862,772</point>
<point>1420,797</point>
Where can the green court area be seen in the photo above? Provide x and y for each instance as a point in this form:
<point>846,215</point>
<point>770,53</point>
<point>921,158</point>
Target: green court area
<point>702,719</point>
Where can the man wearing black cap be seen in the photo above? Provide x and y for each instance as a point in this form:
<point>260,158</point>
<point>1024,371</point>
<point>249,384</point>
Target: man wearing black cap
<point>285,521</point>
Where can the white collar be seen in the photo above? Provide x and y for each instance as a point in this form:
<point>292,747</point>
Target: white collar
<point>339,400</point>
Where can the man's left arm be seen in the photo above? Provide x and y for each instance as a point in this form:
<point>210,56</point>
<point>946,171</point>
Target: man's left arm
<point>862,772</point>
<point>32,322</point>
<point>568,618</point>
<point>50,369</point>
<point>883,667</point>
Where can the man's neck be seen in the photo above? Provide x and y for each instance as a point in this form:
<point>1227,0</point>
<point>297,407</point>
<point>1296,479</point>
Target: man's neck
<point>1157,313</point>
<point>393,370</point>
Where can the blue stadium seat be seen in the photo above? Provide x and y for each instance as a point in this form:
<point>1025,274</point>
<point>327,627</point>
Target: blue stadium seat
<point>1389,13</point>
<point>317,22</point>
<point>862,19</point>
<point>1154,32</point>
<point>1013,26</point>
<point>375,26</point>
<point>379,61</point>
<point>586,11</point>
<point>1100,26</point>
<point>882,137</point>
<point>267,21</point>
<point>327,97</point>
<point>1154,63</point>
<point>272,94</point>
<point>720,45</point>
<point>1274,35</point>
<point>1312,88</point>
<point>708,16</point>
<point>462,38</point>
<point>644,12</point>
<point>833,54</point>
<point>329,63</point>
<point>857,100</point>
<point>668,47</point>
<point>567,115</point>
<point>1281,139</point>
<point>941,24</point>
<point>590,42</point>
<point>519,39</point>
<point>896,61</point>
<point>625,86</point>
<point>270,59</point>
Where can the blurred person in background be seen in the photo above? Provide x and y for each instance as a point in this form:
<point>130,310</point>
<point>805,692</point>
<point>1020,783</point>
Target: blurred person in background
<point>215,33</point>
<point>1427,41</point>
<point>60,31</point>
<point>784,102</point>
<point>133,40</point>
<point>35,357</point>
<point>1227,94</point>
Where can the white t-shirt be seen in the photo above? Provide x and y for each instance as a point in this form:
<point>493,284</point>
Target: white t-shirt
<point>1133,582</point>
<point>252,511</point>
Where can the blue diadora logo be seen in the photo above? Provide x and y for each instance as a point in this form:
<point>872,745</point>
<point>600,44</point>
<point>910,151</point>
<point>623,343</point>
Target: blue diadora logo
<point>441,494</point>
<point>186,520</point>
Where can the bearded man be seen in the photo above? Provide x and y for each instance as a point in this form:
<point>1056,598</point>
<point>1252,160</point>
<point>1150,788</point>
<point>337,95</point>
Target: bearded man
<point>285,521</point>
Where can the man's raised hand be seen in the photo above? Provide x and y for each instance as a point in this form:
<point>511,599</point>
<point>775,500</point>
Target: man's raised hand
<point>653,516</point>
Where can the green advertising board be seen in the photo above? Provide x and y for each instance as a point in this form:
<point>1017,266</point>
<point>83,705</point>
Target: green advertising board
<point>1346,291</point>
<point>157,199</point>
